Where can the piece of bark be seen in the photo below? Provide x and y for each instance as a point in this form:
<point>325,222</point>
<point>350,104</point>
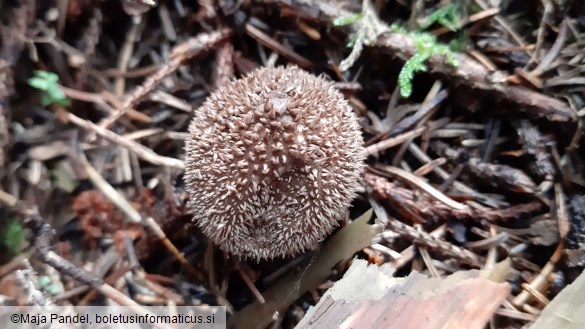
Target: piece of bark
<point>368,297</point>
<point>567,309</point>
<point>535,145</point>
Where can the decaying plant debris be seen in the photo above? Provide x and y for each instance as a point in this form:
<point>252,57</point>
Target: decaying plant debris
<point>482,163</point>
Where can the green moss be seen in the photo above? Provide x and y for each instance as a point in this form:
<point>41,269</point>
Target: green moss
<point>368,27</point>
<point>426,46</point>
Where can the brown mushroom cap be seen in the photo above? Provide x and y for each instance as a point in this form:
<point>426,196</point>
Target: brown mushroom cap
<point>273,161</point>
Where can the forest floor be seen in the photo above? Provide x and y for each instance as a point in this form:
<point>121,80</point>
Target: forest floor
<point>472,116</point>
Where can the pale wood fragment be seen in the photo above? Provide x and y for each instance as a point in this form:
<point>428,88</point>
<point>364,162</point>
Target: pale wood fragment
<point>566,310</point>
<point>368,297</point>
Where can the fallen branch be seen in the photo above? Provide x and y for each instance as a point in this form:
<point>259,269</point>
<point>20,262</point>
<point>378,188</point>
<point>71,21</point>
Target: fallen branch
<point>469,72</point>
<point>181,53</point>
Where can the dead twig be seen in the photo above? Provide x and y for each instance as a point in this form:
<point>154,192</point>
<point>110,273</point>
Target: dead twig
<point>140,150</point>
<point>469,72</point>
<point>250,283</point>
<point>92,37</point>
<point>422,206</point>
<point>540,281</point>
<point>275,46</point>
<point>224,67</point>
<point>126,54</point>
<point>426,239</point>
<point>502,21</point>
<point>6,90</point>
<point>109,192</point>
<point>419,183</point>
<point>383,145</point>
<point>101,100</point>
<point>183,52</point>
<point>121,203</point>
<point>44,234</point>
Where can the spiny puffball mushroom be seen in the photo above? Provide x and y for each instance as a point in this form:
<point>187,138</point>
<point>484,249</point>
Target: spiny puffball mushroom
<point>273,160</point>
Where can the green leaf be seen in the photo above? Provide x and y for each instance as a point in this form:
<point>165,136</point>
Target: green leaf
<point>13,236</point>
<point>45,75</point>
<point>38,83</point>
<point>46,100</point>
<point>426,46</point>
<point>63,101</point>
<point>48,82</point>
<point>56,93</point>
